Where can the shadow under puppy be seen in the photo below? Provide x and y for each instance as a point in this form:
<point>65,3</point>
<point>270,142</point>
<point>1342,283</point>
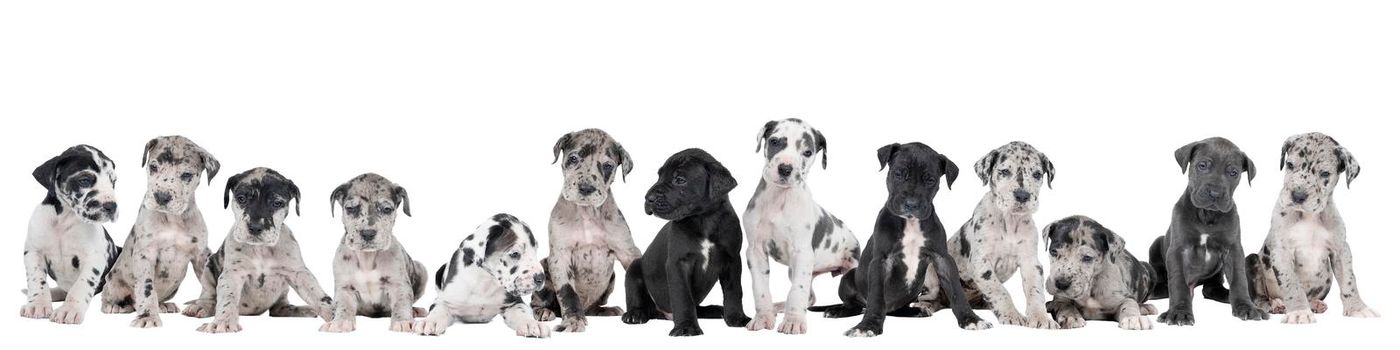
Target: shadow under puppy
<point>374,275</point>
<point>1093,277</point>
<point>908,240</point>
<point>491,273</point>
<point>260,259</point>
<point>698,247</point>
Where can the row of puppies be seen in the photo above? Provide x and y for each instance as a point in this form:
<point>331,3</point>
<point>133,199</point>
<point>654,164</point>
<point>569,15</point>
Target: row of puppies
<point>775,134</point>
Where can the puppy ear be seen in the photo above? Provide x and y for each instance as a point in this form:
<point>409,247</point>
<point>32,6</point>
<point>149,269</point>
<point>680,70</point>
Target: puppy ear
<point>885,153</point>
<point>47,174</point>
<point>1184,155</point>
<point>1049,171</point>
<point>1249,167</point>
<point>1102,240</point>
<point>232,181</point>
<point>764,133</point>
<point>401,195</point>
<point>624,160</point>
<point>338,196</point>
<point>1283,156</point>
<point>985,165</point>
<point>821,145</point>
<point>1045,233</point>
<point>950,170</point>
<point>211,165</point>
<point>563,143</point>
<point>720,181</point>
<point>1347,165</point>
<point>150,146</point>
<point>296,195</point>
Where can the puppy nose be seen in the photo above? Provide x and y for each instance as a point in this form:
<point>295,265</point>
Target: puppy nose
<point>784,170</point>
<point>1299,197</point>
<point>539,278</point>
<point>1214,194</point>
<point>911,204</point>
<point>586,189</point>
<point>368,234</point>
<point>256,227</point>
<point>162,198</point>
<point>1061,283</point>
<point>653,197</point>
<point>1021,195</point>
<point>110,208</point>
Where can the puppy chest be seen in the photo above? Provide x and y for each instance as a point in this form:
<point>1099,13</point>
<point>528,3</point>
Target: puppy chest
<point>1310,243</point>
<point>911,244</point>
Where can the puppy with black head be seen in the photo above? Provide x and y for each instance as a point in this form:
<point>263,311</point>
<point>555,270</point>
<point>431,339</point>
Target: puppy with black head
<point>698,247</point>
<point>260,260</point>
<point>908,240</point>
<point>1202,245</point>
<point>66,240</point>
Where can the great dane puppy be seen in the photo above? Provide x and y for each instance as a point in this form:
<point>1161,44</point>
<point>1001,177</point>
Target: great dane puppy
<point>168,237</point>
<point>1202,245</point>
<point>1093,277</point>
<point>260,259</point>
<point>784,221</point>
<point>1308,234</point>
<point>587,232</point>
<point>1001,237</point>
<point>698,247</point>
<point>491,273</point>
<point>907,247</point>
<point>374,275</point>
<point>66,240</point>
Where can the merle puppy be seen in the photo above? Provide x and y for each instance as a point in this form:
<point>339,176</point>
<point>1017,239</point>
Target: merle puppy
<point>908,240</point>
<point>698,247</point>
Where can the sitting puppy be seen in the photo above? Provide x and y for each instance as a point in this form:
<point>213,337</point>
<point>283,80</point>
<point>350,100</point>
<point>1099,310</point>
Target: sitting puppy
<point>169,236</point>
<point>66,239</point>
<point>907,242</point>
<point>374,276</point>
<point>260,259</point>
<point>491,273</point>
<point>1202,245</point>
<point>1308,234</point>
<point>698,247</point>
<point>1093,277</point>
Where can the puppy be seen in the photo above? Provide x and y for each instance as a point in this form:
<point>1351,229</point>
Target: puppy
<point>587,232</point>
<point>169,235</point>
<point>260,259</point>
<point>374,276</point>
<point>698,247</point>
<point>66,240</point>
<point>1093,277</point>
<point>908,240</point>
<point>491,273</point>
<point>1202,245</point>
<point>1308,234</point>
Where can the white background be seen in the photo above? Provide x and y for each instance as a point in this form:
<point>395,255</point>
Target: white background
<point>460,102</point>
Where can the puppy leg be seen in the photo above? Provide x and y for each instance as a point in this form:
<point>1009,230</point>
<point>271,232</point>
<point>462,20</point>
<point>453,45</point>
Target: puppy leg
<point>40,303</point>
<point>1241,303</point>
<point>546,302</point>
<point>229,289</point>
<point>143,269</point>
<point>852,302</point>
<point>762,299</point>
<point>1214,289</point>
<point>731,285</point>
<point>518,318</point>
<point>1066,312</point>
<point>76,303</point>
<point>304,283</point>
<point>401,299</point>
<point>570,307</point>
<point>599,309</point>
<point>800,295</point>
<point>953,290</point>
<point>437,321</point>
<point>680,274</point>
<point>1033,282</point>
<point>1352,306</point>
<point>204,306</point>
<point>995,293</point>
<point>1131,318</point>
<point>347,301</point>
<point>640,306</point>
<point>873,323</point>
<point>1179,312</point>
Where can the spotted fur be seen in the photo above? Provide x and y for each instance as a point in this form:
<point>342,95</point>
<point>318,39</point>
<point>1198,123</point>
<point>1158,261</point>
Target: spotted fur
<point>374,274</point>
<point>491,273</point>
<point>1092,276</point>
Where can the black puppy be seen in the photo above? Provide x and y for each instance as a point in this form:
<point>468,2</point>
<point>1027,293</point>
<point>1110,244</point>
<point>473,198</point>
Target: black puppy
<point>697,248</point>
<point>1202,245</point>
<point>908,239</point>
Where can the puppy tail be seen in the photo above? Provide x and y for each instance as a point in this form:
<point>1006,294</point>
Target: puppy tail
<point>1157,258</point>
<point>709,311</point>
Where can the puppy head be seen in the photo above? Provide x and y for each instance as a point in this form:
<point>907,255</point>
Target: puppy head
<point>261,199</point>
<point>505,248</point>
<point>1080,249</point>
<point>173,164</point>
<point>592,159</point>
<point>690,182</point>
<point>790,147</point>
<point>81,179</point>
<point>913,178</point>
<point>1215,166</point>
<point>1015,172</point>
<point>1313,164</point>
<point>369,205</point>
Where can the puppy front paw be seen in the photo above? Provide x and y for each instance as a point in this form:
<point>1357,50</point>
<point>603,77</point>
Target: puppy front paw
<point>1070,320</point>
<point>402,326</point>
<point>635,317</point>
<point>69,313</point>
<point>1299,317</point>
<point>544,314</point>
<point>572,324</point>
<point>1177,318</point>
<point>761,321</point>
<point>339,326</point>
<point>169,308</point>
<point>146,321</point>
<point>533,329</point>
<point>793,324</point>
<point>1012,318</point>
<point>736,320</point>
<point>975,324</point>
<point>1136,323</point>
<point>199,310</point>
<point>1361,312</point>
<point>110,308</point>
<point>221,327</point>
<point>37,310</point>
<point>688,329</point>
<point>431,326</point>
<point>419,312</point>
<point>1041,321</point>
<point>1248,312</point>
<point>1147,309</point>
<point>863,330</point>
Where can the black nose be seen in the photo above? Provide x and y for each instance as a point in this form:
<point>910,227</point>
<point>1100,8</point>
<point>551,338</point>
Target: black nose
<point>109,208</point>
<point>539,278</point>
<point>162,198</point>
<point>1214,194</point>
<point>911,205</point>
<point>654,197</point>
<point>784,170</point>
<point>1021,195</point>
<point>1061,283</point>
<point>586,189</point>
<point>368,234</point>
<point>1299,197</point>
<point>256,227</point>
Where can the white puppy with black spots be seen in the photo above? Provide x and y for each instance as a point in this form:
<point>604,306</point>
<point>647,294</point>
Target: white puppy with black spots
<point>492,272</point>
<point>784,221</point>
<point>374,275</point>
<point>66,240</point>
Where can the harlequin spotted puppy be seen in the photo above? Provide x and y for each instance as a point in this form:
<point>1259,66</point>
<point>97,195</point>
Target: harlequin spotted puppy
<point>492,272</point>
<point>1092,276</point>
<point>374,276</point>
<point>66,240</point>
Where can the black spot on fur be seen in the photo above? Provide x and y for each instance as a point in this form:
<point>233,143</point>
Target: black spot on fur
<point>987,275</point>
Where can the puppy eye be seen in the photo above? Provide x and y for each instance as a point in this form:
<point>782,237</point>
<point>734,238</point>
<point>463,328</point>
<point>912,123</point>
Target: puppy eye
<point>1234,172</point>
<point>1289,164</point>
<point>187,176</point>
<point>152,168</point>
<point>679,181</point>
<point>386,210</point>
<point>899,173</point>
<point>1054,253</point>
<point>1038,175</point>
<point>807,153</point>
<point>1203,166</point>
<point>279,203</point>
<point>1087,258</point>
<point>573,158</point>
<point>1004,173</point>
<point>242,199</point>
<point>355,210</point>
<point>608,167</point>
<point>1326,174</point>
<point>515,255</point>
<point>773,142</point>
<point>85,182</point>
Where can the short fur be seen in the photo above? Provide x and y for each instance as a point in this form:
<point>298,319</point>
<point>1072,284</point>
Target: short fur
<point>1092,276</point>
<point>491,273</point>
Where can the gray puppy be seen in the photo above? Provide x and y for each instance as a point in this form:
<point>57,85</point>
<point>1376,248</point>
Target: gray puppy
<point>1093,277</point>
<point>374,276</point>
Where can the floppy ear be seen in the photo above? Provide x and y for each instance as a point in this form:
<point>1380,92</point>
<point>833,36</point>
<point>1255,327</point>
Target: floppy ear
<point>1249,167</point>
<point>984,166</point>
<point>1049,171</point>
<point>338,196</point>
<point>401,195</point>
<point>885,153</point>
<point>296,195</point>
<point>1282,156</point>
<point>763,134</point>
<point>47,174</point>
<point>821,145</point>
<point>150,146</point>
<point>1045,233</point>
<point>232,181</point>
<point>1102,240</point>
<point>563,143</point>
<point>950,170</point>
<point>720,181</point>
<point>1348,165</point>
<point>211,165</point>
<point>625,163</point>
<point>1185,153</point>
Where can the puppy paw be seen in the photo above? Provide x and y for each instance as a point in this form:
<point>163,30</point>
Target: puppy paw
<point>635,317</point>
<point>1012,318</point>
<point>1136,323</point>
<point>572,325</point>
<point>863,330</point>
<point>339,326</point>
<point>1071,321</point>
<point>420,312</point>
<point>69,313</point>
<point>1318,306</point>
<point>221,327</point>
<point>1177,318</point>
<point>761,321</point>
<point>169,308</point>
<point>686,330</point>
<point>403,326</point>
<point>1041,321</point>
<point>1361,312</point>
<point>1276,306</point>
<point>199,310</point>
<point>1147,309</point>
<point>976,324</point>
<point>606,311</point>
<point>793,324</point>
<point>147,321</point>
<point>1299,317</point>
<point>544,315</point>
<point>431,326</point>
<point>738,320</point>
<point>36,310</point>
<point>532,330</point>
<point>110,308</point>
<point>1248,312</point>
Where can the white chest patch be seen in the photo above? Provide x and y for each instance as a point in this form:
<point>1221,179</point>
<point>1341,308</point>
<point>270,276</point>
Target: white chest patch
<point>1310,241</point>
<point>1204,238</point>
<point>705,247</point>
<point>912,243</point>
